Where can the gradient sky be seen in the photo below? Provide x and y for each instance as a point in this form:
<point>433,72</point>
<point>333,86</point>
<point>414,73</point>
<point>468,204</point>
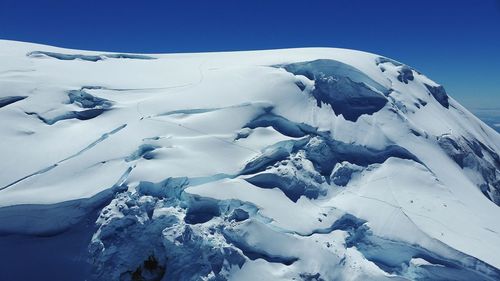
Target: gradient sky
<point>456,43</point>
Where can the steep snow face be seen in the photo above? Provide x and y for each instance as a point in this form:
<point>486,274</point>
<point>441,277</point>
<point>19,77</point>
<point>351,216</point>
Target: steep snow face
<point>300,164</point>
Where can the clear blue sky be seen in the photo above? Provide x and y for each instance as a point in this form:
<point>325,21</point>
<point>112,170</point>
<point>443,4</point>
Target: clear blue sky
<point>456,43</point>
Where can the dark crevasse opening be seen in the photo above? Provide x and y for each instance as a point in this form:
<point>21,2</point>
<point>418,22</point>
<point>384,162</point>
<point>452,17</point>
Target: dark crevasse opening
<point>343,173</point>
<point>149,270</point>
<point>202,212</point>
<point>292,187</point>
<point>11,99</point>
<point>80,115</point>
<point>282,125</point>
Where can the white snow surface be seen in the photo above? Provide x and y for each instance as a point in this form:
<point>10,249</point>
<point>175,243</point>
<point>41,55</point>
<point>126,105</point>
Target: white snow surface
<point>187,116</point>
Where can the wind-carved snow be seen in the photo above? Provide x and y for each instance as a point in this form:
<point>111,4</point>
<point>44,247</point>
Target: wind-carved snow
<point>480,163</point>
<point>86,100</point>
<point>405,75</point>
<point>305,164</point>
<point>92,58</point>
<point>92,107</point>
<point>347,90</point>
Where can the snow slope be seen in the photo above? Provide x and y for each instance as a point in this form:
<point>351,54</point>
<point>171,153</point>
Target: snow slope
<point>296,164</point>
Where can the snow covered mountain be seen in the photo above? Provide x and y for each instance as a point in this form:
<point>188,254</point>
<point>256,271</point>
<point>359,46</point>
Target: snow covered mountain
<point>297,164</point>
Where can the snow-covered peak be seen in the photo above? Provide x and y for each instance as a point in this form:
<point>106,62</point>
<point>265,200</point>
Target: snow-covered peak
<point>294,164</point>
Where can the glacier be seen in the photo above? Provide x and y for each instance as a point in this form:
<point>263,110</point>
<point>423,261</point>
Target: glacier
<point>309,164</point>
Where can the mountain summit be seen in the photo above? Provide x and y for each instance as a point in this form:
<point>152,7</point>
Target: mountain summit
<point>296,164</point>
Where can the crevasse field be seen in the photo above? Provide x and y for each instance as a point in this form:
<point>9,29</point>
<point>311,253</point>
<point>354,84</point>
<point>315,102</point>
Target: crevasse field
<point>298,164</point>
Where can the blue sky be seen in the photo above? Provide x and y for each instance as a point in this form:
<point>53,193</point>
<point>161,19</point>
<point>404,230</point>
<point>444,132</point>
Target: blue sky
<point>456,43</point>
